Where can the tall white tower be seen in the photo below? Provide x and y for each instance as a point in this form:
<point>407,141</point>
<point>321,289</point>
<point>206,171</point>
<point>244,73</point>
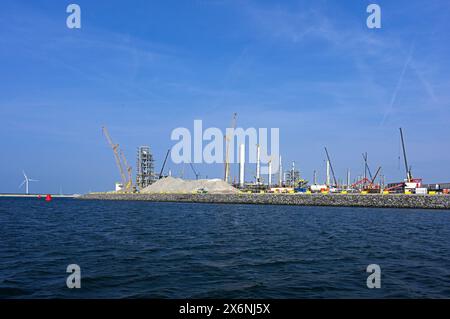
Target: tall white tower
<point>270,173</point>
<point>348,178</point>
<point>242,165</point>
<point>280,174</point>
<point>258,163</point>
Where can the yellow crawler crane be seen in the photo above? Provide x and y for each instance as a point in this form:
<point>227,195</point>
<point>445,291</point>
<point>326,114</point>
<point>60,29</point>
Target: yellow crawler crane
<point>127,184</point>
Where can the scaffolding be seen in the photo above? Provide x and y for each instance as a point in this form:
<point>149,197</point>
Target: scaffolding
<point>292,177</point>
<point>145,167</point>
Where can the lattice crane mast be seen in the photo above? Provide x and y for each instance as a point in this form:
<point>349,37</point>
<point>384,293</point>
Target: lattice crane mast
<point>115,148</point>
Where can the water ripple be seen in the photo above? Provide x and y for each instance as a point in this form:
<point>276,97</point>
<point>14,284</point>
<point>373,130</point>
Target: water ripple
<point>174,250</point>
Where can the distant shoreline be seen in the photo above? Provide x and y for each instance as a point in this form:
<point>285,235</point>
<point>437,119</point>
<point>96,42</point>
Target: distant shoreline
<point>334,200</point>
<point>37,195</point>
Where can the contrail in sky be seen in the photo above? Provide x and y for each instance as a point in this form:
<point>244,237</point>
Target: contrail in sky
<point>399,84</point>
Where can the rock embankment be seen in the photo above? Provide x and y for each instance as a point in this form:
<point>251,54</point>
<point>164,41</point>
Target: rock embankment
<point>351,200</point>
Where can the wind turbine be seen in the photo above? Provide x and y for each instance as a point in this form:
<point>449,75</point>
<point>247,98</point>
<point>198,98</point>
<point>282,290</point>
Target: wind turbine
<point>26,181</point>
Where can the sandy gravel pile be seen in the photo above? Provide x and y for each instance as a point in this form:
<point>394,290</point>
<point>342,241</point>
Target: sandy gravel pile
<point>174,185</point>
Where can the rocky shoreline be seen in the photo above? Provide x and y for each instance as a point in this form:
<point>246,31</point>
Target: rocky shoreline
<point>339,200</point>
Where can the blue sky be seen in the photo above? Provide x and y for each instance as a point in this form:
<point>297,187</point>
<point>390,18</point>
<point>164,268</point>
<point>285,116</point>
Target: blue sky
<point>143,68</point>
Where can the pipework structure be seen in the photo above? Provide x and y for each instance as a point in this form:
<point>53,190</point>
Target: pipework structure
<point>144,167</point>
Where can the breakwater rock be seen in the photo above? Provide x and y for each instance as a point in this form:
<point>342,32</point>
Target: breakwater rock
<point>349,200</point>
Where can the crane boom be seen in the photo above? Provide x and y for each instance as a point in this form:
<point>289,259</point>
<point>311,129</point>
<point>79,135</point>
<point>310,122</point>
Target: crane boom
<point>331,166</point>
<point>197,175</point>
<point>408,170</point>
<point>367,165</point>
<point>365,180</point>
<point>375,176</point>
<point>164,164</point>
<point>115,148</point>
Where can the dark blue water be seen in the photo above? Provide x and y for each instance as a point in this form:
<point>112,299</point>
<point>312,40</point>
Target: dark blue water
<point>175,250</point>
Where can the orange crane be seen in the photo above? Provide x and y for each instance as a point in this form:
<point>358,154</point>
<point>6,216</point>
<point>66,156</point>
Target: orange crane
<point>227,142</point>
<point>397,186</point>
<point>368,184</point>
<point>116,150</point>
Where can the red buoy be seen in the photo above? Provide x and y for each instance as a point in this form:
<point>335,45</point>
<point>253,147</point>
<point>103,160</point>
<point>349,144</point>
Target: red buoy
<point>48,198</point>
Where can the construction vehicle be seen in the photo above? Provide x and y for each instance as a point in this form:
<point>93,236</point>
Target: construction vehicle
<point>301,186</point>
<point>127,183</point>
<point>368,185</point>
<point>372,187</point>
<point>410,183</point>
<point>201,191</point>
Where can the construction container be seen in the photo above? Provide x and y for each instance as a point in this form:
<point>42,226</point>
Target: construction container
<point>318,188</point>
<point>422,191</point>
<point>119,187</point>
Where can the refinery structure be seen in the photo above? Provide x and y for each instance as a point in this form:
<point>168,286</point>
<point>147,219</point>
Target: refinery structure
<point>288,180</point>
<point>145,175</point>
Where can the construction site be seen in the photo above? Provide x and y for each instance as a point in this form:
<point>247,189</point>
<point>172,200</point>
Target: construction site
<point>370,181</point>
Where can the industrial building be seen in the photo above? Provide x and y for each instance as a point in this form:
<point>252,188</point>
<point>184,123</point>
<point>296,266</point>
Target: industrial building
<point>292,177</point>
<point>438,187</point>
<point>289,181</point>
<point>144,167</point>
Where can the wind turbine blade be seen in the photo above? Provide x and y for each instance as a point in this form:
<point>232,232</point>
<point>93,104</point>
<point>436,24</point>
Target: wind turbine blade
<point>21,184</point>
<point>33,180</point>
<point>24,175</point>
